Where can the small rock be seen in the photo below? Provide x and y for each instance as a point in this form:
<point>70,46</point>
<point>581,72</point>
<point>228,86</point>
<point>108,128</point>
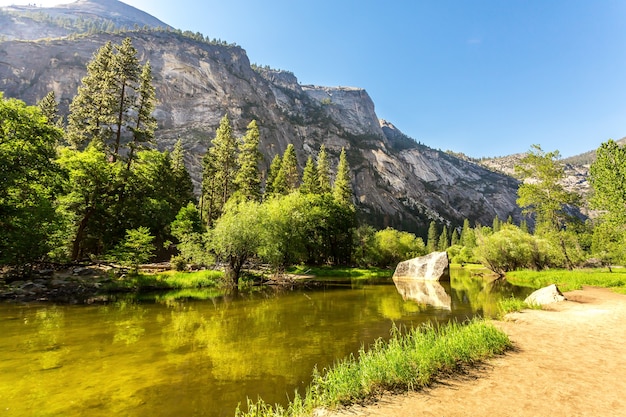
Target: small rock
<point>546,295</point>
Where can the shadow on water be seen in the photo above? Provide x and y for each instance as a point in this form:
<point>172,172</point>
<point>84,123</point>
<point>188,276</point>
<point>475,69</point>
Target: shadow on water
<point>202,352</point>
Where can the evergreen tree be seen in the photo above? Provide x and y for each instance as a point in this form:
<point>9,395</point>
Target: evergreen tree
<point>342,190</point>
<point>443,242</point>
<point>496,224</point>
<point>126,74</point>
<point>144,123</point>
<point>310,182</point>
<point>287,179</point>
<point>91,111</point>
<point>433,237</point>
<point>468,237</point>
<point>323,170</point>
<point>248,180</point>
<point>272,174</point>
<point>115,99</point>
<point>455,240</point>
<point>49,108</point>
<point>220,169</point>
<point>181,177</point>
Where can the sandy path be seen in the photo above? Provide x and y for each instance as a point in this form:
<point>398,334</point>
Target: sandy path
<point>569,360</point>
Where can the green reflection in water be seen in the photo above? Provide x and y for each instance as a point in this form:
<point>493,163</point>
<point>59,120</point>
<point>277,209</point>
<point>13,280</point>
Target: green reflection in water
<point>200,353</point>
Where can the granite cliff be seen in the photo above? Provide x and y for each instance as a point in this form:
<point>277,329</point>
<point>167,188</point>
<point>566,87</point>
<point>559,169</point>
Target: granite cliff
<point>397,181</point>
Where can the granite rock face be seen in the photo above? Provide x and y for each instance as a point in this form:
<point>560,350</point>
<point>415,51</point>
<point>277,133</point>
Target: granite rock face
<point>432,267</point>
<point>396,181</point>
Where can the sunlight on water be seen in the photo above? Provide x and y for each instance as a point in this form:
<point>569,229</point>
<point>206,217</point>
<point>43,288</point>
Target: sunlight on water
<point>172,354</point>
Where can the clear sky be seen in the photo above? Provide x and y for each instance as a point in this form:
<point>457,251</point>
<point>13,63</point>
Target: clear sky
<point>483,77</point>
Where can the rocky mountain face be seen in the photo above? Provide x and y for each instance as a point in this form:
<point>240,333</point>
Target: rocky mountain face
<point>397,182</point>
<point>32,22</point>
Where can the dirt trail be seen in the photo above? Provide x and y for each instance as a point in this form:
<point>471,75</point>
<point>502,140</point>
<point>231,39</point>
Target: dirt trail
<point>569,360</point>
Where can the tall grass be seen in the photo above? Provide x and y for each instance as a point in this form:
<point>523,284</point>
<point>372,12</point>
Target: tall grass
<point>570,280</point>
<point>408,361</point>
<point>336,272</point>
<point>171,280</point>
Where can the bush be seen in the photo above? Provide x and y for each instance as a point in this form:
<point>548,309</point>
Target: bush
<point>179,263</point>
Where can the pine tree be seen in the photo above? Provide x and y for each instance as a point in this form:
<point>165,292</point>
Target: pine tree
<point>310,182</point>
<point>91,111</point>
<point>497,224</point>
<point>272,174</point>
<point>220,165</point>
<point>144,124</point>
<point>287,179</point>
<point>182,179</point>
<point>323,170</point>
<point>443,242</point>
<point>468,237</point>
<point>248,180</point>
<point>126,70</point>
<point>455,240</point>
<point>433,237</point>
<point>342,191</point>
<point>49,108</point>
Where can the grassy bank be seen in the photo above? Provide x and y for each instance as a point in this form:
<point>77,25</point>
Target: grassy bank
<point>335,272</point>
<point>170,280</point>
<point>571,280</point>
<point>407,361</point>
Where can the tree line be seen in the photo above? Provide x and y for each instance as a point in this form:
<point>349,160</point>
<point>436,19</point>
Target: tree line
<point>94,187</point>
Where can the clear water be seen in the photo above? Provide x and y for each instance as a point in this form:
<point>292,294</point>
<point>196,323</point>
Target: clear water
<point>173,355</point>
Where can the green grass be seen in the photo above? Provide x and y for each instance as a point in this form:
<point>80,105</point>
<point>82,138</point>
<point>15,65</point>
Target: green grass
<point>571,280</point>
<point>327,271</point>
<point>170,280</point>
<point>407,361</point>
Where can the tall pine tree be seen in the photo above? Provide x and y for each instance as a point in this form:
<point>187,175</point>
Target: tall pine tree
<point>310,181</point>
<point>342,190</point>
<point>323,170</point>
<point>248,180</point>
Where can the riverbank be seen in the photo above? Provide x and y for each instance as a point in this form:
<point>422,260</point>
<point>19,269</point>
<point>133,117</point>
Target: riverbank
<point>568,360</point>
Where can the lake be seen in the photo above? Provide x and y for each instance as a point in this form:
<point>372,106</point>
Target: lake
<point>201,353</point>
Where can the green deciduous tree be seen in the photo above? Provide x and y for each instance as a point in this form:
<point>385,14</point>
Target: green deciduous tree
<point>608,179</point>
<point>29,182</point>
<point>237,236</point>
<point>135,249</point>
<point>542,194</point>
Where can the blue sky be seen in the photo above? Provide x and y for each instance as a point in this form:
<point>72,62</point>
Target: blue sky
<point>487,78</point>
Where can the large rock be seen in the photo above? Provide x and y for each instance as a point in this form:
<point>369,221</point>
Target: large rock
<point>546,295</point>
<point>434,267</point>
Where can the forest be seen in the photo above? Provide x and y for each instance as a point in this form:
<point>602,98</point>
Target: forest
<point>93,187</point>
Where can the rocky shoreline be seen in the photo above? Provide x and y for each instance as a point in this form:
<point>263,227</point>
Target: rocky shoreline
<point>75,285</point>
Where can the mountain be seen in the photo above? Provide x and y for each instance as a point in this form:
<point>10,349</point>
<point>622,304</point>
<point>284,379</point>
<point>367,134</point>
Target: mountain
<point>397,181</point>
<point>32,22</point>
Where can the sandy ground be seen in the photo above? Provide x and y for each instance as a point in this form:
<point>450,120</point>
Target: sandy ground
<point>569,360</point>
